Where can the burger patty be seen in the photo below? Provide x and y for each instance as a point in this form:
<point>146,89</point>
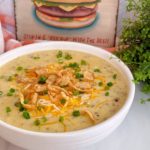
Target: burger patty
<point>58,12</point>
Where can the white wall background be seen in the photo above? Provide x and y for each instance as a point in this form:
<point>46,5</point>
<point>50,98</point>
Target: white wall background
<point>7,7</point>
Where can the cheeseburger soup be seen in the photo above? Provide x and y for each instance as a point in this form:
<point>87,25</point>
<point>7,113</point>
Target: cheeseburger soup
<point>60,91</point>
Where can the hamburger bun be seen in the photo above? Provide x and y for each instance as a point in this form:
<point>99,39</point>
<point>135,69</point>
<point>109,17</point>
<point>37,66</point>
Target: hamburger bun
<point>71,24</point>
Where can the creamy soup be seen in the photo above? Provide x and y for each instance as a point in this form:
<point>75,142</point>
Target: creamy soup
<point>60,91</point>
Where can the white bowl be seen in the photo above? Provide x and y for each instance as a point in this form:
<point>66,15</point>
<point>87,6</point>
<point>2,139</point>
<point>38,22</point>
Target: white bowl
<point>69,140</point>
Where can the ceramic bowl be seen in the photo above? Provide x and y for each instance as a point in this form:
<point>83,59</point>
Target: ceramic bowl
<point>74,140</point>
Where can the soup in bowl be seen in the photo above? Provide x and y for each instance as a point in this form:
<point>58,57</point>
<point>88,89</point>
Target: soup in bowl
<point>58,90</point>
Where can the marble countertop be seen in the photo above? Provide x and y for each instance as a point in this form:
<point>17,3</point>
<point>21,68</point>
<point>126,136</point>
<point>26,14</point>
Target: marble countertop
<point>133,133</point>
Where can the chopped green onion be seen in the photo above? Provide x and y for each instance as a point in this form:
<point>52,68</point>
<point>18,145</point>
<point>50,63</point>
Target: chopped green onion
<point>76,113</point>
<point>12,90</point>
<point>109,84</point>
<point>20,106</point>
<point>45,92</point>
<point>61,119</point>
<point>36,57</point>
<point>74,65</point>
<point>26,101</point>
<point>10,78</point>
<point>9,94</point>
<point>114,76</point>
<point>76,93</point>
<point>8,109</point>
<point>68,56</point>
<point>79,75</point>
<point>37,122</point>
<point>63,101</point>
<point>1,93</point>
<point>107,94</point>
<point>19,68</point>
<point>26,115</point>
<point>42,80</point>
<point>44,119</point>
<point>97,70</point>
<point>107,87</point>
<point>83,62</point>
<point>17,104</point>
<point>59,54</point>
<point>100,83</point>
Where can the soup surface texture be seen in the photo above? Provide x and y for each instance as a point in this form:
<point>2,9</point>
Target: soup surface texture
<point>60,91</point>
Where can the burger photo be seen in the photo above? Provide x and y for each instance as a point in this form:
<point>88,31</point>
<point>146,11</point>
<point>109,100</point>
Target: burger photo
<point>67,13</point>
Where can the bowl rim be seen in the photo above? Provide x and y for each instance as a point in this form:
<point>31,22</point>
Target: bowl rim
<point>38,47</point>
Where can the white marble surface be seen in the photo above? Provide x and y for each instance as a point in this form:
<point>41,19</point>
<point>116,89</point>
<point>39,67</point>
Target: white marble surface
<point>133,134</point>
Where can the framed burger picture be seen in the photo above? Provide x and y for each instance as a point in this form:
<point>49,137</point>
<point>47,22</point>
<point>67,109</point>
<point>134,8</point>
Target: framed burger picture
<point>87,21</point>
